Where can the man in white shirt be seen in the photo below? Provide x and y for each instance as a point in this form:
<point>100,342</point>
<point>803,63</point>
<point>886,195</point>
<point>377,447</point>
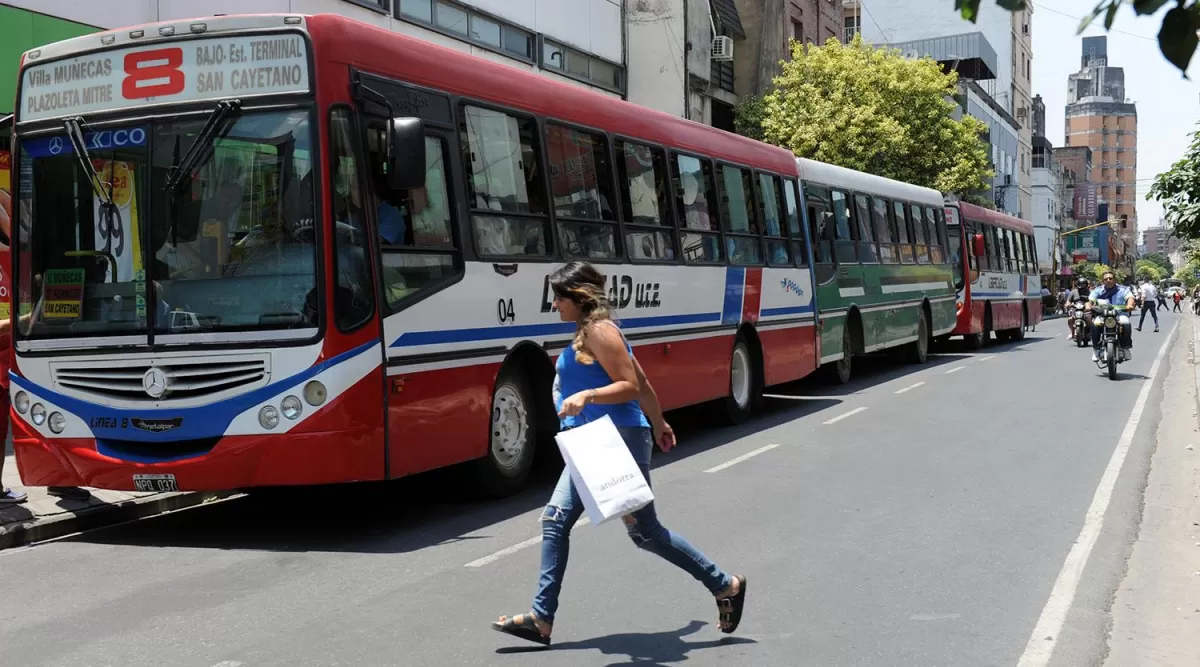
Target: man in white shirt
<point>1150,303</point>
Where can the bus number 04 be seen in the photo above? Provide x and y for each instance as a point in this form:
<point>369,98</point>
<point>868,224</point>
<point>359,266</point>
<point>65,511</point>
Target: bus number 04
<point>505,312</point>
<point>153,74</point>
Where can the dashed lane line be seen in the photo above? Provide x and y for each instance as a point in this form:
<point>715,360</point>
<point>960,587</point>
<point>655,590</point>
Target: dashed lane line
<point>909,388</point>
<point>844,415</point>
<point>743,457</point>
<point>955,369</point>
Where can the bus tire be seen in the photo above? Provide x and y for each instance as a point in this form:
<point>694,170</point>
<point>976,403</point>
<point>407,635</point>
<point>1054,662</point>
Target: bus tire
<point>918,350</point>
<point>841,370</point>
<point>512,436</point>
<point>745,384</point>
<point>1018,334</point>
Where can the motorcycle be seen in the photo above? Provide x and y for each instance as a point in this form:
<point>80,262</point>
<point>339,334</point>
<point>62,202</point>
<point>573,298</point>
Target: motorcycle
<point>1108,318</point>
<point>1083,334</point>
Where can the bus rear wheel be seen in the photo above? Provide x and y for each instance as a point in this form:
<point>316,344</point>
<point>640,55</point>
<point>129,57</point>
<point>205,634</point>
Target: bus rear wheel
<point>841,370</point>
<point>512,440</point>
<point>918,350</point>
<point>745,384</point>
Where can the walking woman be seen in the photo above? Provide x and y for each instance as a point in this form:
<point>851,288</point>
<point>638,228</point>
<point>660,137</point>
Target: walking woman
<point>598,375</point>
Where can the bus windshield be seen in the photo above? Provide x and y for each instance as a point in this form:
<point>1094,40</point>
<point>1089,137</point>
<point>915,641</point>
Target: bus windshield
<point>230,248</point>
<point>958,255</point>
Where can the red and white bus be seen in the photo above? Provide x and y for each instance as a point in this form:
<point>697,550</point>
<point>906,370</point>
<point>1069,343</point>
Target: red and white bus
<point>269,250</point>
<point>998,281</point>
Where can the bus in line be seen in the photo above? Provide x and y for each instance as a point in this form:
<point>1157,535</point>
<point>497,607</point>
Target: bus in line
<point>884,277</point>
<point>294,250</point>
<point>997,278</point>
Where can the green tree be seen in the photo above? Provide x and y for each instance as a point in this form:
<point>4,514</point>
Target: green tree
<point>1178,190</point>
<point>1177,38</point>
<point>1094,271</point>
<point>872,110</point>
<point>1187,273</point>
<point>1147,270</point>
<point>748,117</point>
<point>1160,260</point>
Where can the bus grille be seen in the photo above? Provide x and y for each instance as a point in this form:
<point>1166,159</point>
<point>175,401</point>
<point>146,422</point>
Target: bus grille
<point>185,377</point>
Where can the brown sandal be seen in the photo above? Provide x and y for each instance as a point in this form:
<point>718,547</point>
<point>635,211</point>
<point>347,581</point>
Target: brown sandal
<point>522,626</point>
<point>730,609</point>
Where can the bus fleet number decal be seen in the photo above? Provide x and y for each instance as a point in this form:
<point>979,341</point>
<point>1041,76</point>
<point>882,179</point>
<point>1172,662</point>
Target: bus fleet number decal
<point>505,312</point>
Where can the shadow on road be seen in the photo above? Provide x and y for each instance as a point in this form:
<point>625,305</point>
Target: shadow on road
<point>444,506</point>
<point>643,649</point>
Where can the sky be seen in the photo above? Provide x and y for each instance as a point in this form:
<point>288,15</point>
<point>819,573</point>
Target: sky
<point>1168,105</point>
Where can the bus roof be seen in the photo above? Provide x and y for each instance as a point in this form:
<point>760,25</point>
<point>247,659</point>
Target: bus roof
<point>812,171</point>
<point>975,213</point>
<point>343,41</point>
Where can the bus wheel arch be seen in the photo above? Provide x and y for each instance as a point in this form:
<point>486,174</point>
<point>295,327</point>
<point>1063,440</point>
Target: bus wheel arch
<point>745,377</point>
<point>522,415</point>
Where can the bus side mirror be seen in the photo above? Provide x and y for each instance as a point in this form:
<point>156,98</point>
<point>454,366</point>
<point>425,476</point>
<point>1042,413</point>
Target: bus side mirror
<point>406,154</point>
<point>977,245</point>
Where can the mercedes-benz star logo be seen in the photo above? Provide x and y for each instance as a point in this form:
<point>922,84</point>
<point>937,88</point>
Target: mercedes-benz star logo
<point>56,145</point>
<point>154,382</point>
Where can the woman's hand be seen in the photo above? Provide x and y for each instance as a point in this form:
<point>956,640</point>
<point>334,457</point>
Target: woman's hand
<point>575,403</point>
<point>664,436</point>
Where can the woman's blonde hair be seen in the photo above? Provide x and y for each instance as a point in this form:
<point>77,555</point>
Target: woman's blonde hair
<point>584,286</point>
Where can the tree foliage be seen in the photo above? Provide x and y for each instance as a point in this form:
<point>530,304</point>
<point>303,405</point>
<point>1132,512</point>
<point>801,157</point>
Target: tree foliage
<point>1160,260</point>
<point>1094,271</point>
<point>1146,270</point>
<point>1177,38</point>
<point>1178,190</point>
<point>748,117</point>
<point>1187,273</point>
<point>870,109</point>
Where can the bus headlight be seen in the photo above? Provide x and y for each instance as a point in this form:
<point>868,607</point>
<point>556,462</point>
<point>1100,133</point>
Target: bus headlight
<point>38,413</point>
<point>291,407</point>
<point>57,422</point>
<point>268,417</point>
<point>315,393</point>
<point>22,402</point>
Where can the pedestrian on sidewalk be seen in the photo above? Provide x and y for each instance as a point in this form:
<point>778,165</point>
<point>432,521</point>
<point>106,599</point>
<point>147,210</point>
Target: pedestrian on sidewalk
<point>7,496</point>
<point>1177,297</point>
<point>597,376</point>
<point>1149,298</point>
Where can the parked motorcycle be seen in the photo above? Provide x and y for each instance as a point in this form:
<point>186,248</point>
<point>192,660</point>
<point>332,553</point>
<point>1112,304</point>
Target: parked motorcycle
<point>1083,333</point>
<point>1108,318</point>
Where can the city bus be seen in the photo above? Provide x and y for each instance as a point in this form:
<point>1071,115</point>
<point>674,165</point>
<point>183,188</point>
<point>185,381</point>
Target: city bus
<point>294,250</point>
<point>880,261</point>
<point>997,278</point>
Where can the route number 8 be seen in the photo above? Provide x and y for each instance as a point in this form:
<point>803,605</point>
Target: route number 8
<point>153,74</point>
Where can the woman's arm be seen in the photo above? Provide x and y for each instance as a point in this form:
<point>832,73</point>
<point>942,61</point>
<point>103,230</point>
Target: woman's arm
<point>606,344</point>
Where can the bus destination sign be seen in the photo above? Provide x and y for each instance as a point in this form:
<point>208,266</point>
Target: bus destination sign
<point>196,70</point>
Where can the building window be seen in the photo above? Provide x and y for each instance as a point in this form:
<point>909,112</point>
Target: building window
<point>582,66</point>
<point>379,5</point>
<point>467,24</point>
<point>850,28</point>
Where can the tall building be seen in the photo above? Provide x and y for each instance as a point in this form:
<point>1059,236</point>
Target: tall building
<point>770,26</point>
<point>1099,116</point>
<point>1161,239</point>
<point>1050,205</point>
<point>1009,34</point>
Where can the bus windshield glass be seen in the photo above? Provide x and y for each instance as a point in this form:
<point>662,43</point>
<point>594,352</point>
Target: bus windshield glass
<point>230,248</point>
<point>958,254</point>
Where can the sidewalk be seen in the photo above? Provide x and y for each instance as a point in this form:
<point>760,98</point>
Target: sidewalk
<point>1156,609</point>
<point>44,517</point>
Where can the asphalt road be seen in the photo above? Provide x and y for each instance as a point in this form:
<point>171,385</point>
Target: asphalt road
<point>919,516</point>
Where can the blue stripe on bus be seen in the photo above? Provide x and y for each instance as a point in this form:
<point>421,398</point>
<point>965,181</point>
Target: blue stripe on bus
<point>735,285</point>
<point>790,310</point>
<point>416,338</point>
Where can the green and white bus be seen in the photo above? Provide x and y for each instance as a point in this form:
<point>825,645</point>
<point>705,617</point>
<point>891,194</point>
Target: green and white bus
<point>881,264</point>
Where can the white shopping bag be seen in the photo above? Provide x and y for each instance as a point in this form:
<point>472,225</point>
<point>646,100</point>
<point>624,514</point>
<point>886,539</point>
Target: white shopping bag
<point>607,478</point>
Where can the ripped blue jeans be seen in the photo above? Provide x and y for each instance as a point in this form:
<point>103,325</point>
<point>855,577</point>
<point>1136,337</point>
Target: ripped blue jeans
<point>565,508</point>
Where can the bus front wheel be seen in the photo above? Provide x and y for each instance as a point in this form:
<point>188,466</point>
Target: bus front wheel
<point>512,438</point>
<point>745,385</point>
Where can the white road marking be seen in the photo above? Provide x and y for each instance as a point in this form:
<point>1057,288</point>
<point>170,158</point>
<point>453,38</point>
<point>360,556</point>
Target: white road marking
<point>988,358</point>
<point>909,388</point>
<point>1049,626</point>
<point>743,457</point>
<point>228,663</point>
<point>955,369</point>
<point>508,551</point>
<point>843,416</point>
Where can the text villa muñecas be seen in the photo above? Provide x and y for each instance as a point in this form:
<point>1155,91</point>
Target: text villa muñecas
<point>616,481</point>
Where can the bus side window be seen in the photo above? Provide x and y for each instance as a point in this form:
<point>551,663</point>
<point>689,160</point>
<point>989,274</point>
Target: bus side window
<point>821,227</point>
<point>900,232</point>
<point>696,206</point>
<point>649,234</point>
<point>581,185</point>
<point>506,186</point>
<point>354,296</point>
<point>769,204</point>
<point>864,232</point>
<point>937,237</point>
<point>883,231</point>
<point>845,247</point>
<point>920,233</point>
<point>792,209</point>
<point>737,209</point>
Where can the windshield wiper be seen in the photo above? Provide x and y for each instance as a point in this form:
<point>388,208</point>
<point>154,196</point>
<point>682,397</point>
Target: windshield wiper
<point>74,127</point>
<point>203,142</point>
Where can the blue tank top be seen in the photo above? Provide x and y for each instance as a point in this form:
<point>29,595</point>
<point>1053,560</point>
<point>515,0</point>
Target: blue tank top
<point>574,377</point>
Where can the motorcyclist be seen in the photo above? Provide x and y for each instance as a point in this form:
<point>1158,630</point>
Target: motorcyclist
<point>1080,293</point>
<point>1111,292</point>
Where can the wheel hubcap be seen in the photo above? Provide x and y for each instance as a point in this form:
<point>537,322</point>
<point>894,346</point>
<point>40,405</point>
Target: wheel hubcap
<point>739,379</point>
<point>509,428</point>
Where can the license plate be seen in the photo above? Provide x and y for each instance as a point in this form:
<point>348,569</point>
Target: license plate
<point>159,483</point>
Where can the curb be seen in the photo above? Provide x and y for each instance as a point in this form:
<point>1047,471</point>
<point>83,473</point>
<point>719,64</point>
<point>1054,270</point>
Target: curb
<point>39,530</point>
